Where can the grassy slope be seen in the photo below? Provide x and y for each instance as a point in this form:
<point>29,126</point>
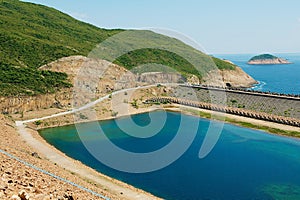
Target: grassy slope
<point>33,35</point>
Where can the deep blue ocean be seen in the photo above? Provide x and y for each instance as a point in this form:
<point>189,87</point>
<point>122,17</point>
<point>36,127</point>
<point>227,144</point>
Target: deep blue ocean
<point>274,78</point>
<point>244,165</point>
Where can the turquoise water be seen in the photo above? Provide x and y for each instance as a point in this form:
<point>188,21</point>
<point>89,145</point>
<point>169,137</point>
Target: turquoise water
<point>274,78</point>
<point>245,164</point>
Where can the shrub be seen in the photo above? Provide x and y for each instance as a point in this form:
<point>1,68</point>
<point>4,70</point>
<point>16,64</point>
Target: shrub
<point>38,122</point>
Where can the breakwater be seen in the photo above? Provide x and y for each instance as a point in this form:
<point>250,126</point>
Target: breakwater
<point>246,91</point>
<point>261,102</point>
<point>226,109</point>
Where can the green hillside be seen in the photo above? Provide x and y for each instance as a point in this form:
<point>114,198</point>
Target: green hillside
<point>29,81</point>
<point>263,57</point>
<point>33,35</point>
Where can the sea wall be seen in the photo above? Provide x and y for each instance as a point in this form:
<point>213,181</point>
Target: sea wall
<point>230,110</point>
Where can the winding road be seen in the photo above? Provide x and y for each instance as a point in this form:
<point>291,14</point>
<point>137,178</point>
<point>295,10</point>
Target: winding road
<point>91,104</point>
<point>68,164</point>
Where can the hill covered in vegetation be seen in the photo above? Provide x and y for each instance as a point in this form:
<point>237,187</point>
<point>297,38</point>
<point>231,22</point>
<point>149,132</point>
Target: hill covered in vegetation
<point>32,35</point>
<point>265,59</point>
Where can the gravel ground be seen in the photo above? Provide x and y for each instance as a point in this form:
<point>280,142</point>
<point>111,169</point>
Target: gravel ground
<point>19,181</point>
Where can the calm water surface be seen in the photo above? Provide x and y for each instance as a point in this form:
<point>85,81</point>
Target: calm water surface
<point>245,164</point>
<point>274,78</point>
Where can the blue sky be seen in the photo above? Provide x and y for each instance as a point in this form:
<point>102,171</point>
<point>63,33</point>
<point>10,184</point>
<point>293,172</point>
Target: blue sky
<point>223,26</point>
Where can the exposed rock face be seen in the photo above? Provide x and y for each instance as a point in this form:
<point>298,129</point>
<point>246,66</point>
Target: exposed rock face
<point>235,78</point>
<point>86,68</point>
<point>193,80</point>
<point>267,59</point>
<point>12,105</point>
<point>101,77</point>
<point>108,72</point>
<point>159,77</point>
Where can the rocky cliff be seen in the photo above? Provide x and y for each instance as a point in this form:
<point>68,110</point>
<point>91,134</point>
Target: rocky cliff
<point>234,78</point>
<point>13,105</point>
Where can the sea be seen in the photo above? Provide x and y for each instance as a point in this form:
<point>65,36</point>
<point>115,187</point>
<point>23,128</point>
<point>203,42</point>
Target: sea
<point>274,78</point>
<point>244,164</point>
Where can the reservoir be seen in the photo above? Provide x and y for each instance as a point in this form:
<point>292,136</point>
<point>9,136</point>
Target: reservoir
<point>244,164</point>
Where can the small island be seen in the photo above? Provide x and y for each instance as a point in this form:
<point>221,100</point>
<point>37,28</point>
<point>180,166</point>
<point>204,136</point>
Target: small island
<point>267,59</point>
